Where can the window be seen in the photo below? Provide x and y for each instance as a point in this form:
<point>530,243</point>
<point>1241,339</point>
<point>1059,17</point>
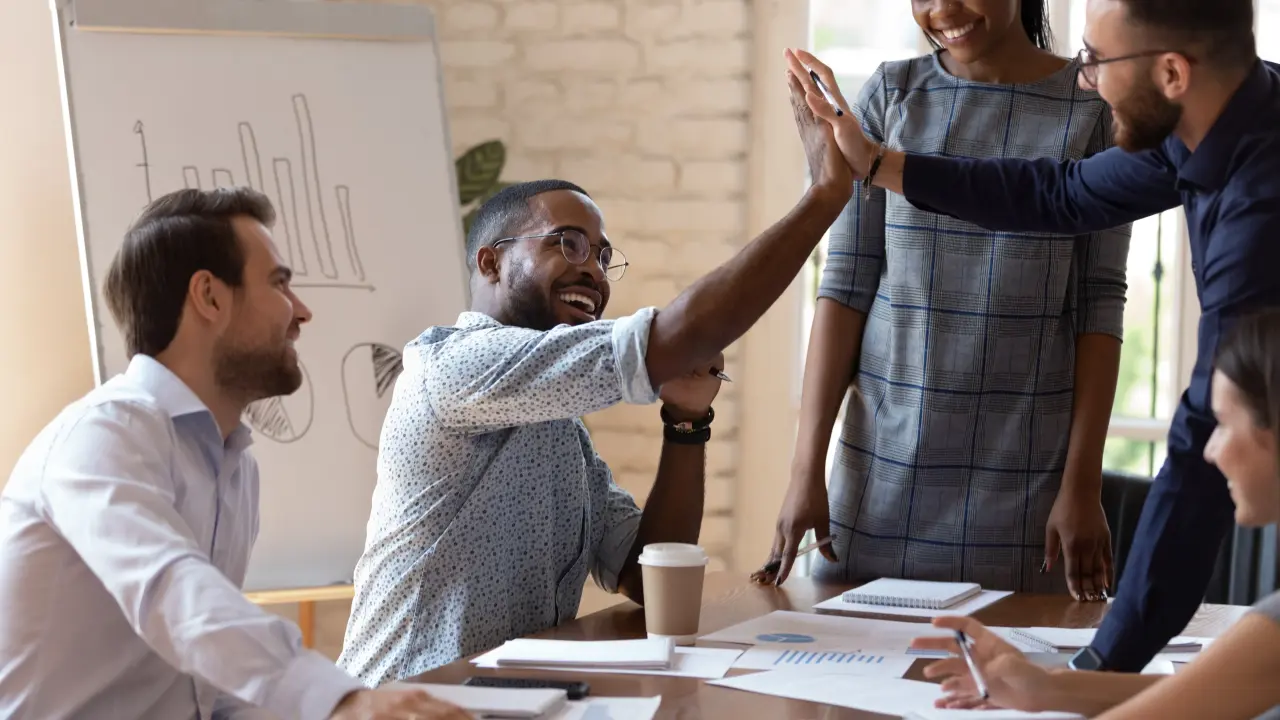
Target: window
<point>854,36</point>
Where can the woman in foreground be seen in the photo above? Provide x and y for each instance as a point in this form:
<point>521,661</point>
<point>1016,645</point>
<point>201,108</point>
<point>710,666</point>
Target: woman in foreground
<point>1235,677</point>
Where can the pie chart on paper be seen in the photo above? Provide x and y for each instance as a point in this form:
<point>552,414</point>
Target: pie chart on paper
<point>785,638</point>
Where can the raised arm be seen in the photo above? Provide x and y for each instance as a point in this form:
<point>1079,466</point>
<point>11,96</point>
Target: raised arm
<point>718,308</point>
<point>523,376</point>
<point>855,260</point>
<point>1112,188</point>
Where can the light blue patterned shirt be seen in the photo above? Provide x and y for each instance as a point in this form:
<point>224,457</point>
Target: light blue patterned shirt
<point>492,505</point>
<point>125,532</point>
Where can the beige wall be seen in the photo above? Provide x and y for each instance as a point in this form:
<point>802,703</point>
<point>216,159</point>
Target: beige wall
<point>649,104</point>
<point>44,357</point>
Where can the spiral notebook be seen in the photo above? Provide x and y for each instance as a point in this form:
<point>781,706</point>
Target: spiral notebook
<point>912,593</point>
<point>1052,639</point>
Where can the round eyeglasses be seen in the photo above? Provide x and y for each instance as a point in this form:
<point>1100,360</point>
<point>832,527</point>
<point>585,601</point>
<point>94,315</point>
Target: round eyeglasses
<point>577,249</point>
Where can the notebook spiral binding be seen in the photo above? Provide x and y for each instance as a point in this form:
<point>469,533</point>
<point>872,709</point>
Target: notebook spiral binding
<point>853,596</point>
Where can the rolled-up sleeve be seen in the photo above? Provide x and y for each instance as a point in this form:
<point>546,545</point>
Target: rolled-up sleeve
<point>855,244</point>
<point>108,492</point>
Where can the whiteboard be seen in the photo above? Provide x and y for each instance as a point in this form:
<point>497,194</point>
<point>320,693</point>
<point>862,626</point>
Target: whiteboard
<point>340,121</point>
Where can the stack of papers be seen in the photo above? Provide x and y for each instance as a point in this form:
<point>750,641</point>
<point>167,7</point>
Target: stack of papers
<point>691,662</point>
<point>646,654</point>
<point>991,715</point>
<point>501,702</point>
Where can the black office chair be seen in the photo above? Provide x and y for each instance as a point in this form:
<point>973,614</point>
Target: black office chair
<point>1247,561</point>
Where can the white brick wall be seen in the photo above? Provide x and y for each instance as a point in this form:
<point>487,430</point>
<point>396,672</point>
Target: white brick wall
<point>644,103</point>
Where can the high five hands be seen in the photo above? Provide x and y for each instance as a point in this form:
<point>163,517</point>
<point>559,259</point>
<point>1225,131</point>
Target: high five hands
<point>858,150</point>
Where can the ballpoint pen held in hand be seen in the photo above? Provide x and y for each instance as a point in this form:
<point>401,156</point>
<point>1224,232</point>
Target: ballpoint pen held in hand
<point>978,680</point>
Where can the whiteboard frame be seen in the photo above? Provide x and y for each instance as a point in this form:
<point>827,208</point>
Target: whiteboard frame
<point>275,18</point>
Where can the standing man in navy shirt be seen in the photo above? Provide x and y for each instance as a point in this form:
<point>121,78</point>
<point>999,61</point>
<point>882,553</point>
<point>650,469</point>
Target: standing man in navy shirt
<point>1197,122</point>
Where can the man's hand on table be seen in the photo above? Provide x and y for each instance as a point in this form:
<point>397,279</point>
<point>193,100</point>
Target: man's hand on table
<point>396,702</point>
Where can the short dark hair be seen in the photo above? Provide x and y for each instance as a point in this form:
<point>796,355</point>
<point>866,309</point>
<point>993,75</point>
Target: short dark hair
<point>506,210</point>
<point>175,237</point>
<point>1221,30</point>
<point>1250,356</point>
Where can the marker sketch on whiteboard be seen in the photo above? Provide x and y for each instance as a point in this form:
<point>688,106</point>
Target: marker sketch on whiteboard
<point>307,243</point>
<point>141,132</point>
<point>285,418</point>
<point>369,372</point>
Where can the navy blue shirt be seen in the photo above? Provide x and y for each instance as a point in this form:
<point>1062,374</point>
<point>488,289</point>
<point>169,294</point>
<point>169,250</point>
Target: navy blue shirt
<point>1230,189</point>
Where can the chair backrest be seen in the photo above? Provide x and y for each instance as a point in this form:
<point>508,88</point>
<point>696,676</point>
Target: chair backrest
<point>1247,562</point>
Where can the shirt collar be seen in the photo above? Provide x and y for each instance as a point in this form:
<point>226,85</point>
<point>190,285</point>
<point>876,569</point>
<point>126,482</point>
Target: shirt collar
<point>174,397</point>
<point>471,320</point>
<point>1207,167</point>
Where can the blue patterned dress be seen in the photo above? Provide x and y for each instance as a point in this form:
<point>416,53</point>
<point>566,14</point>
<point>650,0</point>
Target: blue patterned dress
<point>949,462</point>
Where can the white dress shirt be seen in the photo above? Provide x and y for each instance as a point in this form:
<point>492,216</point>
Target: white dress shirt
<point>125,531</point>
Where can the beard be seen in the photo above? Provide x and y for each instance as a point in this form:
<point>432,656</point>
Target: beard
<point>1144,119</point>
<point>255,373</point>
<point>527,303</point>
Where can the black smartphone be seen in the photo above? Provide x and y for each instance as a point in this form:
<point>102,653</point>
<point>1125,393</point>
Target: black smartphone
<point>576,690</point>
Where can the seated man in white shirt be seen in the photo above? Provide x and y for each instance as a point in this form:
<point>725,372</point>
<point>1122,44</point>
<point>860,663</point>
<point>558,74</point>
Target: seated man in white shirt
<point>492,506</point>
<point>126,526</point>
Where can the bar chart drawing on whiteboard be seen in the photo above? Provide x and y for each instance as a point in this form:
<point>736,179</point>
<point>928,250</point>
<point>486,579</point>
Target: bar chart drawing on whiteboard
<point>302,230</point>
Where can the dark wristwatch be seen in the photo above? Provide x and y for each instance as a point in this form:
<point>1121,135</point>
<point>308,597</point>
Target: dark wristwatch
<point>1086,658</point>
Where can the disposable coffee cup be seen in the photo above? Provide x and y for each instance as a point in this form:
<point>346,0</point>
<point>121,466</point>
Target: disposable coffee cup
<point>672,574</point>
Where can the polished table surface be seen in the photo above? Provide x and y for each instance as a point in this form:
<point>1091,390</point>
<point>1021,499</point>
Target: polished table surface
<point>731,598</point>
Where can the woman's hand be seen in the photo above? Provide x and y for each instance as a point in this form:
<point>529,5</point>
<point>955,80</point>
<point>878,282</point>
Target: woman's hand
<point>858,150</point>
<point>1012,680</point>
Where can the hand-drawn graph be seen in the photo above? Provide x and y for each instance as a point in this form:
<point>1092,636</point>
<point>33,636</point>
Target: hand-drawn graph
<point>285,418</point>
<point>369,372</point>
<point>308,242</point>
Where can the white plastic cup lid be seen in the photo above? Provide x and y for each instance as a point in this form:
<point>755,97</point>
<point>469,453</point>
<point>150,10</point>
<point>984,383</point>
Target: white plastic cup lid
<point>673,555</point>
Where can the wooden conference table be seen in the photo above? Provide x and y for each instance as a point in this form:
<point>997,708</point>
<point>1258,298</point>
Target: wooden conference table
<point>728,599</point>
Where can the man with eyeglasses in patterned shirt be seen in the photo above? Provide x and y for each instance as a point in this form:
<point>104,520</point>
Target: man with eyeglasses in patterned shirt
<point>492,507</point>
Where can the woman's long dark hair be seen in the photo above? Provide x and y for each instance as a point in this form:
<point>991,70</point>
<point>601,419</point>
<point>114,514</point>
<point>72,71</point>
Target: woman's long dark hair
<point>1035,21</point>
<point>1250,358</point>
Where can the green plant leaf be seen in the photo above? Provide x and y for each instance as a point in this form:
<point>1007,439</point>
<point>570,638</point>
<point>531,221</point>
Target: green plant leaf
<point>478,169</point>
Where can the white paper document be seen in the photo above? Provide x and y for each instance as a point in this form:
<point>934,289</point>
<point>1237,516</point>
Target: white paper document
<point>937,714</point>
<point>646,653</point>
<point>693,662</point>
<point>873,694</point>
<point>611,708</point>
<point>807,630</point>
<point>968,607</point>
<point>1072,639</point>
<point>844,658</point>
<point>500,702</point>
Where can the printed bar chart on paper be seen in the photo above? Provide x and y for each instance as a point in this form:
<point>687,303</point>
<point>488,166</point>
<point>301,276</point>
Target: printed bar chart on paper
<point>844,660</point>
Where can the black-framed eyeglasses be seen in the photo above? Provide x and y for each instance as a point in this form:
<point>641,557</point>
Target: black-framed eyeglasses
<point>1089,62</point>
<point>577,248</point>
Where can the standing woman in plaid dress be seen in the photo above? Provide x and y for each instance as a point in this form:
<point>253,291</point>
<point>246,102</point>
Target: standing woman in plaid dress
<point>984,364</point>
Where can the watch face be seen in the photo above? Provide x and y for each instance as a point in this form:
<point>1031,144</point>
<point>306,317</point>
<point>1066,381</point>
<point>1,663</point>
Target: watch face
<point>1086,659</point>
